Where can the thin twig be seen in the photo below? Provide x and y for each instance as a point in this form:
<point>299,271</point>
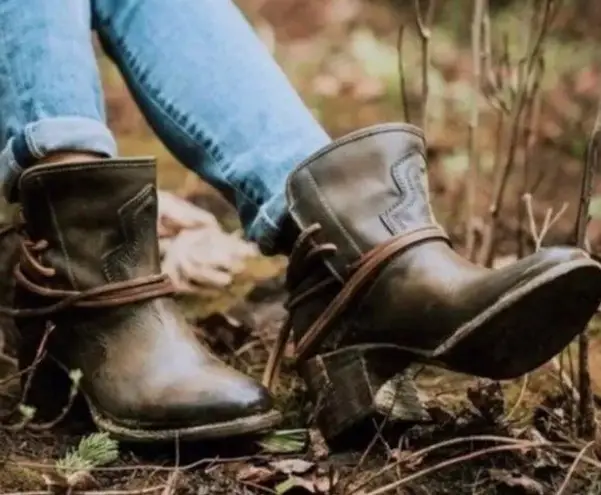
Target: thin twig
<point>402,78</point>
<point>531,129</point>
<point>474,156</point>
<point>450,462</point>
<point>426,450</point>
<point>171,485</point>
<point>274,362</point>
<point>142,491</point>
<point>579,457</point>
<point>586,409</point>
<point>147,467</point>
<point>40,354</point>
<point>520,398</point>
<point>425,33</point>
<point>488,242</point>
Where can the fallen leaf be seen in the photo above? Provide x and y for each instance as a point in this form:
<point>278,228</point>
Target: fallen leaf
<point>255,474</point>
<point>292,466</point>
<point>324,480</point>
<point>55,481</point>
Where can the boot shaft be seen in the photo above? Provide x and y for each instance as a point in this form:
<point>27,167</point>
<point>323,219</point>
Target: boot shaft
<point>99,219</point>
<point>363,189</point>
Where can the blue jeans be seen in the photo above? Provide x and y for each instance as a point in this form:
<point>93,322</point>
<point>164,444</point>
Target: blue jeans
<point>204,81</point>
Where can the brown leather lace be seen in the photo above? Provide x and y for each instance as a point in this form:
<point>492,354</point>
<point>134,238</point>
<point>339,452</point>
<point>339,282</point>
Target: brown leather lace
<point>360,272</point>
<point>108,295</point>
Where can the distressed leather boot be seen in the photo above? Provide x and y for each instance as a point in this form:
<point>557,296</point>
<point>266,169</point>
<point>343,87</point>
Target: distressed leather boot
<point>375,284</point>
<point>90,297</point>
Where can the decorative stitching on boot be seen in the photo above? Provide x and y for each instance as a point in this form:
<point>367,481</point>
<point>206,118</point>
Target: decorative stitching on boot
<point>130,227</point>
<point>408,213</point>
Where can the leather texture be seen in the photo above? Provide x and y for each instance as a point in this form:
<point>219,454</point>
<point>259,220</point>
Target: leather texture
<point>370,189</point>
<point>142,365</point>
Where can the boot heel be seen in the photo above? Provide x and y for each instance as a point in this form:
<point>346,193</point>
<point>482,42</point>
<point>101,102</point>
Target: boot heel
<point>354,384</point>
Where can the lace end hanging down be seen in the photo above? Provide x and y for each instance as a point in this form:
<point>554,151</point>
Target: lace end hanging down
<point>360,272</point>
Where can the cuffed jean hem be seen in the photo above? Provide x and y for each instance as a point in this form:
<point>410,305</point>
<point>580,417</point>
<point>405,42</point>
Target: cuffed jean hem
<point>46,136</point>
<point>266,228</point>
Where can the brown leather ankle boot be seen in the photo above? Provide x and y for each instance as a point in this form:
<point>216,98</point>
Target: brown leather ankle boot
<point>374,283</point>
<point>90,265</point>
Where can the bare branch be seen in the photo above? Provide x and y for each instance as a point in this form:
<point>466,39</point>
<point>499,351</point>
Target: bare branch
<point>524,88</point>
<point>402,78</point>
<point>425,33</point>
<point>474,155</point>
<point>586,424</point>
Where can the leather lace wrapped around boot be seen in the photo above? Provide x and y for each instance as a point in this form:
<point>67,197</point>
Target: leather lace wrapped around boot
<point>375,285</point>
<point>90,264</point>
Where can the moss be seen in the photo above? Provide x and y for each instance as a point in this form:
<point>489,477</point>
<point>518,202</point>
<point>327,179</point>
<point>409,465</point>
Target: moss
<point>16,478</point>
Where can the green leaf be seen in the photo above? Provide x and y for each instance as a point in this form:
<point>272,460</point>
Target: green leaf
<point>285,441</point>
<point>28,412</point>
<point>285,486</point>
<point>294,482</point>
<point>97,449</point>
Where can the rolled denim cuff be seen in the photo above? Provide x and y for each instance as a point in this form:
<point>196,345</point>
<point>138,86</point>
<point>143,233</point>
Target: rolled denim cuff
<point>41,138</point>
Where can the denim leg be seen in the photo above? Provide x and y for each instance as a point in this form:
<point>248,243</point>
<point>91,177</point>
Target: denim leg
<point>50,95</point>
<point>215,97</point>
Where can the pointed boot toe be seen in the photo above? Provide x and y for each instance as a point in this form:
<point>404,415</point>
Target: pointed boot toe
<point>211,401</point>
<point>375,283</point>
<point>89,264</point>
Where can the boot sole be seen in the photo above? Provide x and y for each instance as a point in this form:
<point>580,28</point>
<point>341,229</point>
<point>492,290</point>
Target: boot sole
<point>566,297</point>
<point>249,425</point>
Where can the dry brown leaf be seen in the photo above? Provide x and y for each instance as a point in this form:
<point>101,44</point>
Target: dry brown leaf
<point>324,480</point>
<point>292,466</point>
<point>255,474</point>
